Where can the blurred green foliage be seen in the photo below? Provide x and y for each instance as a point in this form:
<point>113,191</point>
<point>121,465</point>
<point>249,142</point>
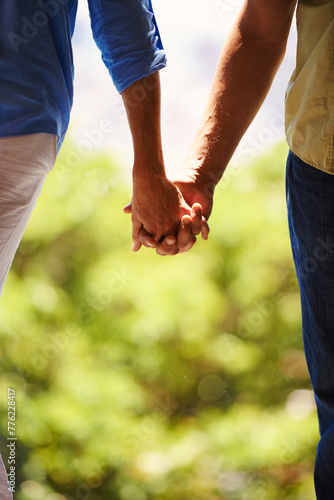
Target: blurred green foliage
<point>139,377</point>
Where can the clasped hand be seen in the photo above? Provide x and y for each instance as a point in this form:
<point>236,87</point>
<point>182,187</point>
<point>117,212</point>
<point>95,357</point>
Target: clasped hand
<point>168,215</point>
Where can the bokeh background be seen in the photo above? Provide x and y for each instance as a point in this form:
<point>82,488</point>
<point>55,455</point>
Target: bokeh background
<point>139,377</point>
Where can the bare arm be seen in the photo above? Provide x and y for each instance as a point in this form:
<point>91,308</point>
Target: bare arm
<point>247,65</point>
<point>142,104</point>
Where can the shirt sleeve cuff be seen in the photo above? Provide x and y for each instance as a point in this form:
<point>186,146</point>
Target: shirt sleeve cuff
<point>136,70</point>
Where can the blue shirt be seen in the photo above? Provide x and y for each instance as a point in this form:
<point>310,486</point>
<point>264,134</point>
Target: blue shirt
<point>36,62</point>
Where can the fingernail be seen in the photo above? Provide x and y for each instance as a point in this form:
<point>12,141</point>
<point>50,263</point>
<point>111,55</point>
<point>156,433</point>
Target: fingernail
<point>169,241</point>
<point>150,244</point>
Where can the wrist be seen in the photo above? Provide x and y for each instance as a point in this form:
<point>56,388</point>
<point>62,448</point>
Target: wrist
<point>206,162</point>
<point>148,169</point>
<point>205,177</point>
<point>148,178</point>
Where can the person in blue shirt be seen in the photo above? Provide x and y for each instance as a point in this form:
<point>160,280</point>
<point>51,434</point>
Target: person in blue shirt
<point>36,95</point>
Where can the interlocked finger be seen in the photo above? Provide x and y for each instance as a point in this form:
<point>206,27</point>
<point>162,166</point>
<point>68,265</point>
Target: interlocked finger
<point>167,246</point>
<point>196,218</point>
<point>146,239</point>
<point>184,232</point>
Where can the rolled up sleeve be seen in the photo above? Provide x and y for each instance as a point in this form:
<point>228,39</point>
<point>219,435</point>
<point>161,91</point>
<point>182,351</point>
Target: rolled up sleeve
<point>127,35</point>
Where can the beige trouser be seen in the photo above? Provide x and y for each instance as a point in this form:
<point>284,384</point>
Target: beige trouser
<point>5,493</point>
<point>24,164</point>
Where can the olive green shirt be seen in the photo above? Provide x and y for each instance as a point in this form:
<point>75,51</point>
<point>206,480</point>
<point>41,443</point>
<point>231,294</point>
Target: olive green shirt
<point>309,100</point>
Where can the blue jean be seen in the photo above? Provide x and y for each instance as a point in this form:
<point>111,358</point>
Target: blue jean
<point>310,201</point>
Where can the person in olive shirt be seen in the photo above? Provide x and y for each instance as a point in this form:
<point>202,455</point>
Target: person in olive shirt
<point>248,63</point>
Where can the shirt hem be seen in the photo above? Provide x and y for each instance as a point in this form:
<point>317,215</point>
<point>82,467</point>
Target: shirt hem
<point>312,163</point>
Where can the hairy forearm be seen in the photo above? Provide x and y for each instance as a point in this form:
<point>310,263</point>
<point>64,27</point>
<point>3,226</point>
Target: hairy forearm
<point>142,104</point>
<point>246,67</point>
